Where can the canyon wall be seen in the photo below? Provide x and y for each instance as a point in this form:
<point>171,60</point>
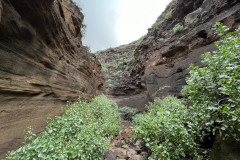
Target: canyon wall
<point>115,62</point>
<point>179,36</point>
<point>43,64</point>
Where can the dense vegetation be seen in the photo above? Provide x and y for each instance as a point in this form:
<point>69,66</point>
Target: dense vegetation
<point>166,129</point>
<point>80,133</point>
<point>127,112</point>
<point>114,68</point>
<point>214,90</point>
<point>170,128</point>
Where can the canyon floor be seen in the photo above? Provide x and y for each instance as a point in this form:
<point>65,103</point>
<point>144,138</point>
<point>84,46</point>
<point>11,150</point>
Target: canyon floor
<point>123,147</point>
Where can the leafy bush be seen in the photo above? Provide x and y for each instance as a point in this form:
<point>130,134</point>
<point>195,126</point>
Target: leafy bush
<point>137,118</point>
<point>118,73</point>
<point>80,133</point>
<point>168,14</point>
<point>166,129</point>
<point>177,28</point>
<point>155,25</point>
<point>214,90</point>
<point>128,112</point>
<point>170,128</point>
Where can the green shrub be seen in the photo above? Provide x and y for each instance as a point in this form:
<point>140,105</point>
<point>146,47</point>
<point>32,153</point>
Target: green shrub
<point>170,128</point>
<point>118,73</point>
<point>105,67</point>
<point>139,42</point>
<point>106,114</point>
<point>128,112</point>
<point>155,25</point>
<point>137,118</point>
<point>166,129</point>
<point>80,133</point>
<point>214,90</point>
<point>163,88</point>
<point>177,28</point>
<point>168,14</point>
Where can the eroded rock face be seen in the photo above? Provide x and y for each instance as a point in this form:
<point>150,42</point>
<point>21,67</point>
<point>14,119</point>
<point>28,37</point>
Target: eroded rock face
<point>165,66</point>
<point>179,37</point>
<point>42,65</point>
<point>115,63</point>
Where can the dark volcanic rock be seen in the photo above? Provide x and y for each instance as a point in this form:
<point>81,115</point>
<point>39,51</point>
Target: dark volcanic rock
<point>43,64</point>
<point>115,63</point>
<point>225,149</point>
<point>179,37</point>
<point>162,61</point>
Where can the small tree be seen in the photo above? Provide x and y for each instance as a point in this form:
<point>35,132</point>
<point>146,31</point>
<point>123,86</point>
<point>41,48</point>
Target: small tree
<point>214,90</point>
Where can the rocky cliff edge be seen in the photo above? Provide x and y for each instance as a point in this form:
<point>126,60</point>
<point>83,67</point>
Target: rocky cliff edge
<point>178,37</point>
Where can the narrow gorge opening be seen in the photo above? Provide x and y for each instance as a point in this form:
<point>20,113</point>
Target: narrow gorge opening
<point>157,104</point>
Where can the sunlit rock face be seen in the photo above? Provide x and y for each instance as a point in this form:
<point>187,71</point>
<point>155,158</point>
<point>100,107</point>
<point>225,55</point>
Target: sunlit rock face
<point>180,35</point>
<point>43,64</point>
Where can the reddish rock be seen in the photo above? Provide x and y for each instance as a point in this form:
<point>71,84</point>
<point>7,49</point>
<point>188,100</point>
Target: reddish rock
<point>161,58</point>
<point>43,64</point>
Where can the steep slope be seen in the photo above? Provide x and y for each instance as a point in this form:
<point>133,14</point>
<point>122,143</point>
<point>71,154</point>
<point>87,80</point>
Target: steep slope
<point>43,64</point>
<point>179,36</point>
<point>114,63</point>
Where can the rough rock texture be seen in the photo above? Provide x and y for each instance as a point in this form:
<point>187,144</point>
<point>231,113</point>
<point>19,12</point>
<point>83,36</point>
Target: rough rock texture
<point>137,101</point>
<point>227,149</point>
<point>43,64</point>
<point>164,68</point>
<point>179,37</point>
<point>161,60</point>
<point>122,148</point>
<point>115,62</point>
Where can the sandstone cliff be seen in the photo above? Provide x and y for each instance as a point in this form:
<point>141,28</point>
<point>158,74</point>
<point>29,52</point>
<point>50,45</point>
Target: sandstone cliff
<point>179,36</point>
<point>42,64</point>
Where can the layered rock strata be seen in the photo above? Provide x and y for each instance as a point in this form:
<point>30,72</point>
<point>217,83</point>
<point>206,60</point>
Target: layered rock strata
<point>43,64</point>
<point>181,34</point>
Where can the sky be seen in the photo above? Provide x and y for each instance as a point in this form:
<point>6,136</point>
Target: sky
<point>111,23</point>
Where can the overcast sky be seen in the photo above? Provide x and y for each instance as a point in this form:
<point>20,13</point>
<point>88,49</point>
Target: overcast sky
<point>111,23</point>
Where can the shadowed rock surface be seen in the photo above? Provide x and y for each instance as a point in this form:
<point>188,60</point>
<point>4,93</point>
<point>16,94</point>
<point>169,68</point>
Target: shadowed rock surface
<point>43,64</point>
<point>159,67</point>
<point>114,63</point>
<point>180,35</point>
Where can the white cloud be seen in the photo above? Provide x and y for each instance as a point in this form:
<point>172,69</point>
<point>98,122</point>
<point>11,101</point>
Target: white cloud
<point>115,22</point>
<point>136,16</point>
